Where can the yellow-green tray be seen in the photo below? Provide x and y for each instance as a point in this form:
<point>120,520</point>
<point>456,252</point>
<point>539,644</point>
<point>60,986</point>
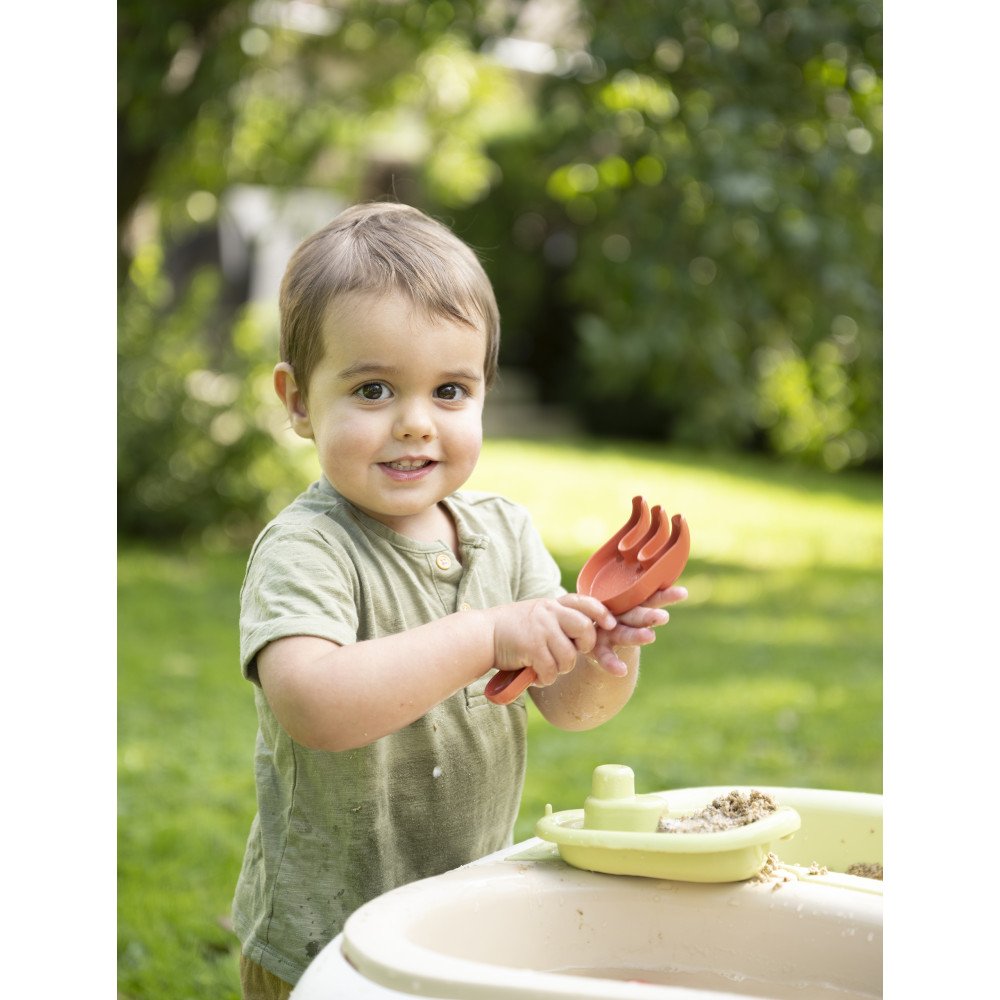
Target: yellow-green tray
<point>723,856</point>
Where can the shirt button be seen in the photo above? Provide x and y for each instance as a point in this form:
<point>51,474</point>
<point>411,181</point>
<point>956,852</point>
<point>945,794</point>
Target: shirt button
<point>466,607</point>
<point>443,561</point>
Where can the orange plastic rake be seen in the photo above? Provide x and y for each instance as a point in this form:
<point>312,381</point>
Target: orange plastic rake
<point>646,555</point>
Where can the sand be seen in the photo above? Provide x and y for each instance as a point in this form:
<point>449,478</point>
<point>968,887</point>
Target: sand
<point>724,813</point>
<point>740,808</point>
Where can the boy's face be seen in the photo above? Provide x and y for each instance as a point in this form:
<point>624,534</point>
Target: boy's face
<point>394,406</point>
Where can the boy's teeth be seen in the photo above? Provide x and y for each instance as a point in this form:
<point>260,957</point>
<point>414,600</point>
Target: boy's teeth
<point>406,466</point>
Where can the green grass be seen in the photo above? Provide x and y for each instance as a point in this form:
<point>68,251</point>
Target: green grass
<point>769,674</point>
<point>185,791</point>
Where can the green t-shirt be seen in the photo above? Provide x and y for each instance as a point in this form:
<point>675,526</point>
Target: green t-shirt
<point>335,829</point>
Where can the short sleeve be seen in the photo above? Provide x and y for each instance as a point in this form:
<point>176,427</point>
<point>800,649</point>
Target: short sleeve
<point>298,582</point>
<point>540,575</point>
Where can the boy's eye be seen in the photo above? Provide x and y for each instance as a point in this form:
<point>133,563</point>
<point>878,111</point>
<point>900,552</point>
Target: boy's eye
<point>373,391</point>
<point>451,392</point>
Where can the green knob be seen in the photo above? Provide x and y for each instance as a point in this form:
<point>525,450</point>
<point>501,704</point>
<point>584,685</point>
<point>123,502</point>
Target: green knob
<point>613,804</point>
<point>612,781</point>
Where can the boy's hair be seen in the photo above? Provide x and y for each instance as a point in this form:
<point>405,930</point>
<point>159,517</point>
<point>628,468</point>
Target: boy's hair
<point>382,248</point>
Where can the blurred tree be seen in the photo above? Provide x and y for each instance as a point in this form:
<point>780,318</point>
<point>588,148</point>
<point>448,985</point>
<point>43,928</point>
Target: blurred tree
<point>698,220</point>
<point>173,56</point>
<point>678,205</point>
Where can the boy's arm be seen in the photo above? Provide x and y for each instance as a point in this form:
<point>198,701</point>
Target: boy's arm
<point>604,679</point>
<point>332,697</point>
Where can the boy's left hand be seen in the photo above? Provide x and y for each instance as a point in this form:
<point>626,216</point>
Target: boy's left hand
<point>634,628</point>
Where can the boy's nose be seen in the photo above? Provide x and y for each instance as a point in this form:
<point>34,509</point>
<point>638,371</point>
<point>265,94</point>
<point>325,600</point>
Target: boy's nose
<point>414,422</point>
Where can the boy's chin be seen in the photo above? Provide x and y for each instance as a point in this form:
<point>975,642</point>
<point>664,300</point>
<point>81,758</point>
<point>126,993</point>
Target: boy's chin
<point>401,510</point>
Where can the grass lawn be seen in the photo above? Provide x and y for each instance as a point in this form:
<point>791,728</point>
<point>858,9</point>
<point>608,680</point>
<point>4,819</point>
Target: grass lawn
<point>770,674</point>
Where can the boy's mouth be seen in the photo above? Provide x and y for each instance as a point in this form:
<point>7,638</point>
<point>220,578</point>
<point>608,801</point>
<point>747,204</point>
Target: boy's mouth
<point>408,469</point>
<point>408,464</point>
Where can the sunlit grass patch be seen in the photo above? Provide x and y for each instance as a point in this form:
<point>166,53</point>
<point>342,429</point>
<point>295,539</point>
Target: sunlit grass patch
<point>749,513</point>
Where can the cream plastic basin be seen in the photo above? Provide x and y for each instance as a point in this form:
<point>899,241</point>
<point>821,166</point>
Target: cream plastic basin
<point>523,923</point>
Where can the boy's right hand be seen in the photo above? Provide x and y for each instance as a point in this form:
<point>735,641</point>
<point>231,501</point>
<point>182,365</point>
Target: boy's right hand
<point>546,634</point>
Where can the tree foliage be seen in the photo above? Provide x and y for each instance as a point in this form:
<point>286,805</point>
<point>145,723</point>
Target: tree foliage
<point>679,206</point>
<point>705,207</point>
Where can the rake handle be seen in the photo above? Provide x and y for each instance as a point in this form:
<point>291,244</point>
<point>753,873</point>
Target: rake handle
<point>505,685</point>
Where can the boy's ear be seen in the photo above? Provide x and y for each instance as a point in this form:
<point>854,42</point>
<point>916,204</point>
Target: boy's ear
<point>291,395</point>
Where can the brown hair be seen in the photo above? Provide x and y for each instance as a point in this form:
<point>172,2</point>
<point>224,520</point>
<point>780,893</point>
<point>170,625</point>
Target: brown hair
<point>382,248</point>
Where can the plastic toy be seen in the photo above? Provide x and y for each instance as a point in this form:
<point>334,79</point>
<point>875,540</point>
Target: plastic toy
<point>647,554</point>
<point>616,833</point>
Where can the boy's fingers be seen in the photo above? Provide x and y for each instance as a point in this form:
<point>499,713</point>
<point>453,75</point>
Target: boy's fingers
<point>644,617</point>
<point>608,659</point>
<point>628,636</point>
<point>578,630</point>
<point>591,607</point>
<point>558,657</point>
<point>577,625</point>
<point>564,651</point>
<point>670,595</point>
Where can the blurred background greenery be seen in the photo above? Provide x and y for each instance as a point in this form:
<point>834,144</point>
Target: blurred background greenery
<point>678,204</point>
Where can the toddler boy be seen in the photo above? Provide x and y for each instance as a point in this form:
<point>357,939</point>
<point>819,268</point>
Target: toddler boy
<point>378,603</point>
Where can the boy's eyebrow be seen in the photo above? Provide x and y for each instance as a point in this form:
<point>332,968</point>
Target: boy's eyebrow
<point>465,374</point>
<point>366,368</point>
<point>375,368</point>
